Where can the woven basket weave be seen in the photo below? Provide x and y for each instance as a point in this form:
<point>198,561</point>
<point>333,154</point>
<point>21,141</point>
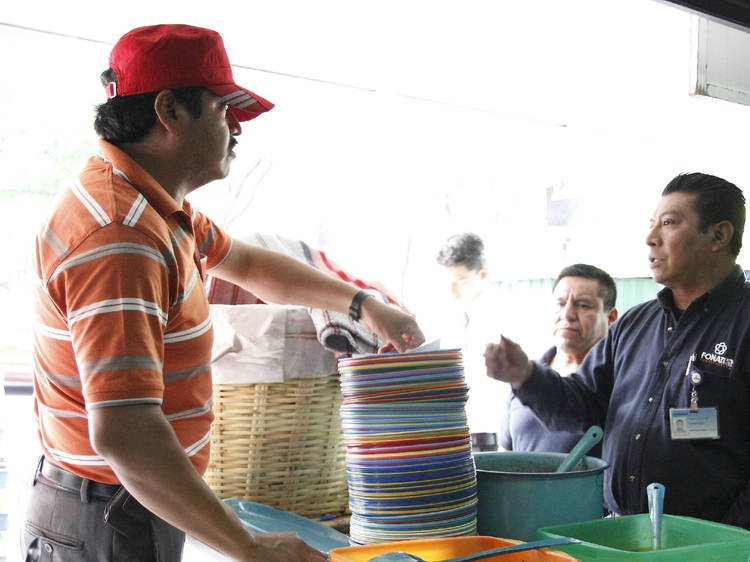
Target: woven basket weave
<point>280,444</point>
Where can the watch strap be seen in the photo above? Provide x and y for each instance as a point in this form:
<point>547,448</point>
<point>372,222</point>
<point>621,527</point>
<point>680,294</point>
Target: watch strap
<point>355,308</point>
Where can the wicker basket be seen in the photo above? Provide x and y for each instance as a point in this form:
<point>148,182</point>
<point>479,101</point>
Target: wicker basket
<point>280,444</point>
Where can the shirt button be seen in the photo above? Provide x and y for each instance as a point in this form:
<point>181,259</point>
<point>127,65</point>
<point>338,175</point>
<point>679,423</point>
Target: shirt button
<point>48,547</point>
<point>664,363</point>
<point>650,399</point>
<point>637,436</point>
<point>669,329</point>
<point>632,477</point>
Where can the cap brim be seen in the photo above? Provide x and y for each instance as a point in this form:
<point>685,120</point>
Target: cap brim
<point>244,104</point>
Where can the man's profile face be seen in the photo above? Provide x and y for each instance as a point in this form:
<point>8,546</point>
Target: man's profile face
<point>678,249</point>
<point>465,284</point>
<point>580,319</point>
<point>209,140</point>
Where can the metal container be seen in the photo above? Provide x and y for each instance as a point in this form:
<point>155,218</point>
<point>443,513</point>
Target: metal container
<point>520,492</point>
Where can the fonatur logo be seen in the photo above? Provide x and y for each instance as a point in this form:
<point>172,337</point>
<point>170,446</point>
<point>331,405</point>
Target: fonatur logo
<point>717,357</point>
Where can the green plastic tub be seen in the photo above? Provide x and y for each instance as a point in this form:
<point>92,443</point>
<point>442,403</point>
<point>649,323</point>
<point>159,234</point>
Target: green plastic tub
<point>629,538</point>
<point>520,492</point>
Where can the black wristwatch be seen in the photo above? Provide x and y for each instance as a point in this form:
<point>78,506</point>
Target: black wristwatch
<point>355,309</point>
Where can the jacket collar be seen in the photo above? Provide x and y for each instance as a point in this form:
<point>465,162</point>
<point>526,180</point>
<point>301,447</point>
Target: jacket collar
<point>730,286</point>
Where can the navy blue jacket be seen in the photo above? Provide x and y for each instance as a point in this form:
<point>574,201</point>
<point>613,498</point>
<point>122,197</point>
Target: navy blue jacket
<point>630,379</point>
<point>522,430</point>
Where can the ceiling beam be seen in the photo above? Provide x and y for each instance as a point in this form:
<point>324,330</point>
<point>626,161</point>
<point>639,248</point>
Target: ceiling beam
<point>735,13</point>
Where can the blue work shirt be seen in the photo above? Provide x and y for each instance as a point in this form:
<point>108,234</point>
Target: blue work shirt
<point>628,382</point>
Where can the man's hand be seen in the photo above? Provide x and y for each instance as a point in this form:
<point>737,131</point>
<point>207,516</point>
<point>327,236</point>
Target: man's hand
<point>141,447</point>
<point>396,327</point>
<point>507,362</point>
<point>282,547</point>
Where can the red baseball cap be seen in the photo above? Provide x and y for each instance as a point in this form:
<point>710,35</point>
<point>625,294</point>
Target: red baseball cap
<point>159,57</point>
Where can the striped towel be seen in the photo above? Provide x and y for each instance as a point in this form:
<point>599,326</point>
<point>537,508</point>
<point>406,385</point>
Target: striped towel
<point>334,329</point>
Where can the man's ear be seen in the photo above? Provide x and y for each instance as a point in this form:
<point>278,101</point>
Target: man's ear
<point>721,234</point>
<point>167,110</point>
<point>611,316</point>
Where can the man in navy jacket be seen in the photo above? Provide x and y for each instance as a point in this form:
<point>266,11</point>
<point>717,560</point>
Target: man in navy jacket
<point>670,383</point>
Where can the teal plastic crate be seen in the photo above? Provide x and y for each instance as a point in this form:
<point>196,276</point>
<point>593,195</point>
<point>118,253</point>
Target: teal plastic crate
<point>629,538</point>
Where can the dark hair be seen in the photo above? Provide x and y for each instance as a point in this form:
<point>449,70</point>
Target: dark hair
<point>465,249</point>
<point>607,290</point>
<point>124,119</point>
<point>716,200</point>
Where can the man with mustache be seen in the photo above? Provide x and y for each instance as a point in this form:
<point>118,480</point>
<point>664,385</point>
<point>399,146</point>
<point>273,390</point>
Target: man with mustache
<point>670,383</point>
<point>583,303</point>
<point>123,333</point>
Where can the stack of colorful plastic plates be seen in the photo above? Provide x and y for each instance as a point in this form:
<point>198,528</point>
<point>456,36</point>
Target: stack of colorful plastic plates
<point>408,460</point>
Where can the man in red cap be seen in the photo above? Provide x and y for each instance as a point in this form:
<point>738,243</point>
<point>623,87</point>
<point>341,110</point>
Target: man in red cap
<point>123,331</point>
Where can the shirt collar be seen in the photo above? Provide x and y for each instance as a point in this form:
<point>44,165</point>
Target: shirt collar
<point>141,180</point>
<point>722,292</point>
<point>548,355</point>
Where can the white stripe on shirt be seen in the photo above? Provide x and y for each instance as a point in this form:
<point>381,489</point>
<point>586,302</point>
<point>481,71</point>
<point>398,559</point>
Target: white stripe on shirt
<point>53,333</point>
<point>192,333</point>
<point>117,305</point>
<point>136,210</point>
<point>90,203</point>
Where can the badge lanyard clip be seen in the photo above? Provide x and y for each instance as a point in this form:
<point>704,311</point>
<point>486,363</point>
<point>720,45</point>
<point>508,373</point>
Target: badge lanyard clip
<point>695,378</point>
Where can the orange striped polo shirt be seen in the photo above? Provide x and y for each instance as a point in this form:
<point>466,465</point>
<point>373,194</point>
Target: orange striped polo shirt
<point>121,311</point>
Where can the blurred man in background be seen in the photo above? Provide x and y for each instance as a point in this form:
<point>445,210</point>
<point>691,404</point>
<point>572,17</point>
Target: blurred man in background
<point>470,325</point>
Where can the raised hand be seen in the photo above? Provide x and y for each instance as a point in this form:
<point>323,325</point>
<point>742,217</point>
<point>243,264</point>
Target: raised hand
<point>507,362</point>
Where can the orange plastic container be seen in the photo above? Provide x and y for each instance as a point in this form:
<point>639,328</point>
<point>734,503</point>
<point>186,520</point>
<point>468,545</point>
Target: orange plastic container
<point>433,550</point>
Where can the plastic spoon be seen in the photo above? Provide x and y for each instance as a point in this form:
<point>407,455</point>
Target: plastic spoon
<point>655,493</point>
<point>406,557</point>
<point>592,436</point>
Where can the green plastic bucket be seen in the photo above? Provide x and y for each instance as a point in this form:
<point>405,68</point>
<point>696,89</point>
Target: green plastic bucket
<point>684,539</point>
<point>520,492</point>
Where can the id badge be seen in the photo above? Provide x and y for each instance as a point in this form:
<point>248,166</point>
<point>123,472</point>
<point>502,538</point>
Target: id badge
<point>701,423</point>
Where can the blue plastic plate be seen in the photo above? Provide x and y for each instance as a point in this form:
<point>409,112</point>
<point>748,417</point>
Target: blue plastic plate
<point>267,519</point>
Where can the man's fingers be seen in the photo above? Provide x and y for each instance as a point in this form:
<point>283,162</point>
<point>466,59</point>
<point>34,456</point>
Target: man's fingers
<point>508,343</point>
<point>494,351</point>
<point>494,358</point>
<point>513,351</point>
<point>506,361</point>
<point>401,344</point>
<point>387,348</point>
<point>413,340</point>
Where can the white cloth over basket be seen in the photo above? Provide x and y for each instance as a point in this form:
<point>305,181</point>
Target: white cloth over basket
<point>265,343</point>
